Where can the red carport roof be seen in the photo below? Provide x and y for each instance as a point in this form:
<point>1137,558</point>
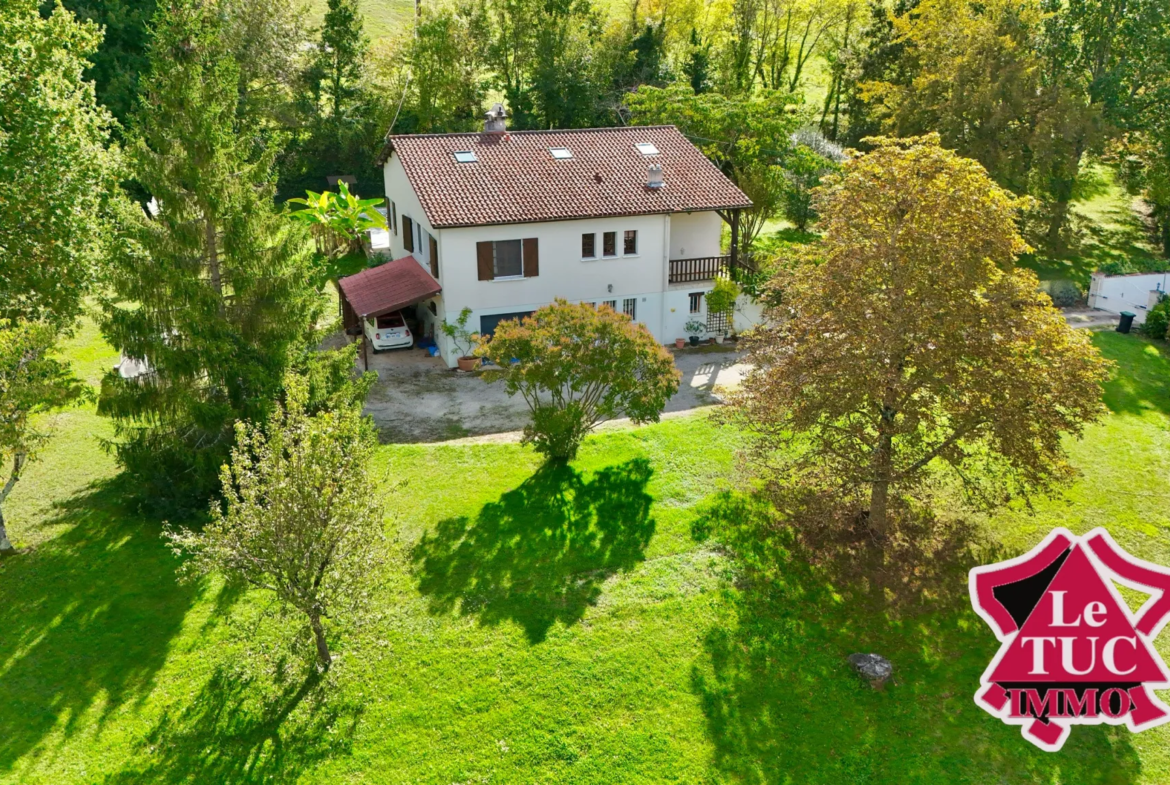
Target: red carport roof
<point>388,287</point>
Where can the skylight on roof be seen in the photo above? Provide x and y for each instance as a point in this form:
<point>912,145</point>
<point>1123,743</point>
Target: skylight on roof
<point>560,152</point>
<point>646,148</point>
<point>465,157</point>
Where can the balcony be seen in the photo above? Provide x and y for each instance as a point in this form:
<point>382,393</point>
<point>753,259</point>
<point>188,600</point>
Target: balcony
<point>705,268</point>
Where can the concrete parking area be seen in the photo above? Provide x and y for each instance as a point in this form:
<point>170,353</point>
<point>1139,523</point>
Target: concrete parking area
<point>418,399</point>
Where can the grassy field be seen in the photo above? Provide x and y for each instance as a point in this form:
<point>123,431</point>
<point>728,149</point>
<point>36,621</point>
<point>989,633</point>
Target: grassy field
<point>1113,235</point>
<point>541,625</point>
<point>382,18</point>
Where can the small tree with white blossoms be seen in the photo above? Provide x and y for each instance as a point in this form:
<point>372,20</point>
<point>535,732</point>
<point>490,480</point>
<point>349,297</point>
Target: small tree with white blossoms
<point>300,516</point>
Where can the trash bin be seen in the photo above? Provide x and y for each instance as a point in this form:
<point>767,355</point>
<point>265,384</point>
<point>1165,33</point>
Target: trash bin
<point>1126,321</point>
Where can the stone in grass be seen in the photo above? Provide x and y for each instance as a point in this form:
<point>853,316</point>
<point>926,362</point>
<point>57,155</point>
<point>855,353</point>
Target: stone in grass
<point>874,667</point>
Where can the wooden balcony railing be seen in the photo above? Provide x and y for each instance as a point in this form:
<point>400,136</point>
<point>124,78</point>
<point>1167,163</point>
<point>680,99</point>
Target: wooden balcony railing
<point>704,268</point>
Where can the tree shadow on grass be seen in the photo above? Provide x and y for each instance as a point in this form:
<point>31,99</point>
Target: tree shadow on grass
<point>539,554</point>
<point>86,618</point>
<point>239,730</point>
<point>782,704</point>
<point>1141,381</point>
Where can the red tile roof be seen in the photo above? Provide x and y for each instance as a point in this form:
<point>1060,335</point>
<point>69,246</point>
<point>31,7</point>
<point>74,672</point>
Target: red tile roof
<point>516,180</point>
<point>388,287</point>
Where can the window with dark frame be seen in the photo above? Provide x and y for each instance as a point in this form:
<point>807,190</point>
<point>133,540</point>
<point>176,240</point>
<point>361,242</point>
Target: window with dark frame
<point>630,307</point>
<point>508,260</point>
<point>589,246</point>
<point>609,244</point>
<point>630,242</point>
<point>696,301</point>
<point>394,218</point>
<point>611,303</point>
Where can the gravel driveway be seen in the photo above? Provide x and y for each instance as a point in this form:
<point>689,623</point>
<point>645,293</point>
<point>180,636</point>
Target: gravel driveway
<point>417,399</point>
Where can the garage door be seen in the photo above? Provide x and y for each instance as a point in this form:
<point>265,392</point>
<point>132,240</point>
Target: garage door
<point>487,324</point>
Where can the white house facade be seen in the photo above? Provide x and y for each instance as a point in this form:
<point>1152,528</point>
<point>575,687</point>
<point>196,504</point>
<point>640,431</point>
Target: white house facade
<point>507,222</point>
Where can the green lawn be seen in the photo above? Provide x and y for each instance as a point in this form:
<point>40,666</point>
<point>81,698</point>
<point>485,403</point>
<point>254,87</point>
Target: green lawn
<point>540,625</point>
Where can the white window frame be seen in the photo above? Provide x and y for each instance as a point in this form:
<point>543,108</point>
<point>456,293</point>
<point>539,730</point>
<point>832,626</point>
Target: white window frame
<point>615,253</point>
<point>519,277</point>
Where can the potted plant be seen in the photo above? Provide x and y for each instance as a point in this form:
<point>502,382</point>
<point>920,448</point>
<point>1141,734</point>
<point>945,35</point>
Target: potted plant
<point>462,340</point>
<point>721,300</point>
<point>694,329</point>
<point>680,343</point>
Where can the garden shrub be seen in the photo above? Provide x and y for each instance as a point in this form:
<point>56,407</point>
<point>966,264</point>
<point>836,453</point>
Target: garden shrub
<point>1064,293</point>
<point>1157,320</point>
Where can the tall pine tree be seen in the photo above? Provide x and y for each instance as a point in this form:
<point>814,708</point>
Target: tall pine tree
<point>211,281</point>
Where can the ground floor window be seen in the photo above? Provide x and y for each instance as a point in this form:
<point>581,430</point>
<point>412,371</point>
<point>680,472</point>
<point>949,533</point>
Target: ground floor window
<point>696,301</point>
<point>630,307</point>
<point>611,303</point>
<point>487,324</point>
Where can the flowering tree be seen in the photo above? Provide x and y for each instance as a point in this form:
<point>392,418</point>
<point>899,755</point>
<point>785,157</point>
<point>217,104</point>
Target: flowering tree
<point>577,366</point>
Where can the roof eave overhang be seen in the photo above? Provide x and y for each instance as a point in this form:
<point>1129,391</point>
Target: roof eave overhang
<point>699,209</point>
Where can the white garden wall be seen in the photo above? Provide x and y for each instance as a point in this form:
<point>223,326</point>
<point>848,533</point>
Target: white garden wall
<point>1136,293</point>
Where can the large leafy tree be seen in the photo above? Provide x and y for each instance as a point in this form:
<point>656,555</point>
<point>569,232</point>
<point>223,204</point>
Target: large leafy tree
<point>575,367</point>
<point>544,56</point>
<point>121,60</point>
<point>1123,50</point>
<point>337,130</point>
<point>907,340</point>
<point>749,138</point>
<point>300,516</point>
<point>56,175</point>
<point>771,43</point>
<point>978,74</point>
<point>432,75</point>
<point>266,39</point>
<point>211,291</point>
<point>32,382</point>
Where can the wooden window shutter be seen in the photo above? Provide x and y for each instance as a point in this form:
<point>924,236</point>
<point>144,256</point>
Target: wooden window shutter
<point>485,260</point>
<point>434,258</point>
<point>531,257</point>
<point>407,234</point>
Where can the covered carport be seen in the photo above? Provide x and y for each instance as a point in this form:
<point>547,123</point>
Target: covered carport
<point>381,290</point>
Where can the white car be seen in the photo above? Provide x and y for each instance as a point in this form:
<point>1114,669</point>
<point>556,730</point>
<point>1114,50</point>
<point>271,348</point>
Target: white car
<point>388,331</point>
